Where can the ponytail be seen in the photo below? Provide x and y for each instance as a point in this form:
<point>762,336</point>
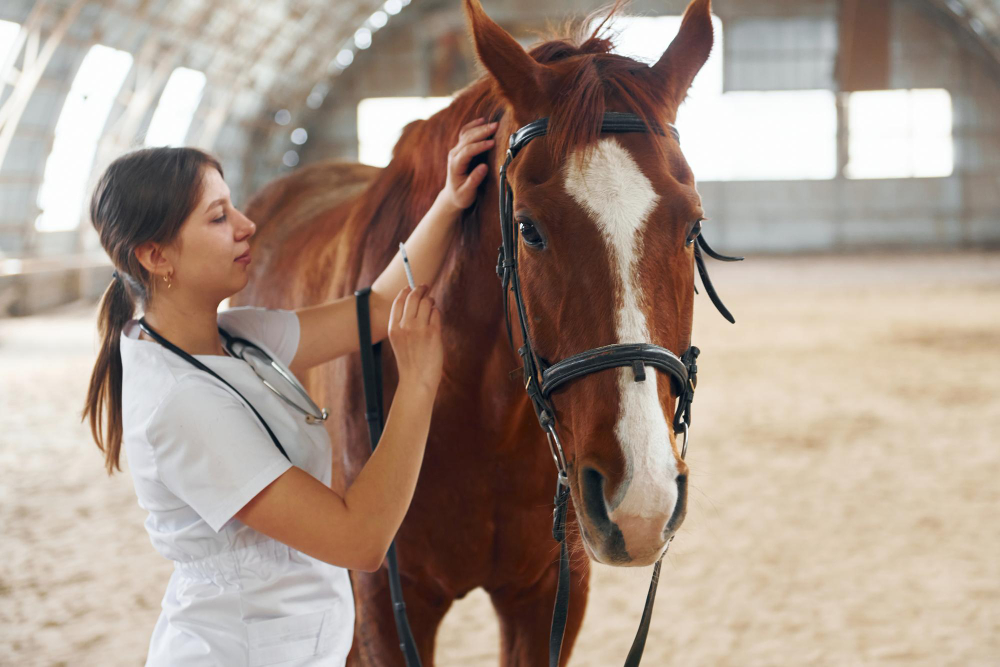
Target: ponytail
<point>104,397</point>
<point>143,196</point>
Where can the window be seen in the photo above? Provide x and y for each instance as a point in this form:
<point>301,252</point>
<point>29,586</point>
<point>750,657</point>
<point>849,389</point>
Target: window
<point>381,120</point>
<point>8,33</point>
<point>176,108</point>
<point>776,53</point>
<point>77,131</point>
<point>900,134</point>
<point>763,136</point>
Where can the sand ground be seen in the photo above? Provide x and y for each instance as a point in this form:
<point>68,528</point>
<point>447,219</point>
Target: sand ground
<point>845,485</point>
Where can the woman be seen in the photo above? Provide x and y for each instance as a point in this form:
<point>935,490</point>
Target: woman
<point>261,544</point>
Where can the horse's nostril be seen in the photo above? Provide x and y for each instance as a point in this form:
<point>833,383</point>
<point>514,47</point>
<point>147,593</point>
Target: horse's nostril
<point>592,488</point>
<point>681,507</point>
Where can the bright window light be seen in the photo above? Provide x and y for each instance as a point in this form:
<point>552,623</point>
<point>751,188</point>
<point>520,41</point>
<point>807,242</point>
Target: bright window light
<point>176,108</point>
<point>900,134</point>
<point>761,136</point>
<point>77,131</point>
<point>381,121</point>
<point>8,32</point>
<point>768,135</point>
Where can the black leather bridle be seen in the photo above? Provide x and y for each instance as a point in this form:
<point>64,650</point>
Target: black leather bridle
<point>542,378</point>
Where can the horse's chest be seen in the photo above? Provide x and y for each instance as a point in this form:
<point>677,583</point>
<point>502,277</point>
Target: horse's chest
<point>477,518</point>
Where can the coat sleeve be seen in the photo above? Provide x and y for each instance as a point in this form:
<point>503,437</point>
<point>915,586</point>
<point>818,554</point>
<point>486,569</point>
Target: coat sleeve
<point>211,451</point>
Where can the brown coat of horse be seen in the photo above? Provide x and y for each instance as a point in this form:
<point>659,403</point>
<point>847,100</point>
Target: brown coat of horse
<point>481,515</point>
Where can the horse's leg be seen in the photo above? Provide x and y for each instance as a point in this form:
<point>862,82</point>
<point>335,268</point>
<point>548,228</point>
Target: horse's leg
<point>526,616</point>
<point>376,642</point>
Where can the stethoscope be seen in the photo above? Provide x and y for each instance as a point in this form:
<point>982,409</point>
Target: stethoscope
<point>313,415</point>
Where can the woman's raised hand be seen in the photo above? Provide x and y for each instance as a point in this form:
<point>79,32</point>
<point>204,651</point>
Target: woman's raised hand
<point>474,138</point>
<point>415,335</point>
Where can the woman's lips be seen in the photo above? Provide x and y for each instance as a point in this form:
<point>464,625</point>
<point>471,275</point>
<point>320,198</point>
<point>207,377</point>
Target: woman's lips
<point>244,258</point>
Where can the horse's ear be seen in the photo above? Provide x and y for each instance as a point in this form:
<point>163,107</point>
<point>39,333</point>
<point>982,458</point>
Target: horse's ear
<point>518,75</point>
<point>686,55</point>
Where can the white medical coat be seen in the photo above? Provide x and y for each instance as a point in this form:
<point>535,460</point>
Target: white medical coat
<point>197,454</point>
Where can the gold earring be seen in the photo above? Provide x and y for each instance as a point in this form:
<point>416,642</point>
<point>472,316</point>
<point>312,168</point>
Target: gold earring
<point>166,279</point>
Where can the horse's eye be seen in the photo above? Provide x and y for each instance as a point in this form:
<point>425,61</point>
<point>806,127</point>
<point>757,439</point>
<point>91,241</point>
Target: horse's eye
<point>530,234</point>
<point>694,232</point>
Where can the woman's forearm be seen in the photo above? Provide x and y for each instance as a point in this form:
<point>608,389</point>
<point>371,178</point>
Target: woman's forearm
<point>426,249</point>
<point>382,491</point>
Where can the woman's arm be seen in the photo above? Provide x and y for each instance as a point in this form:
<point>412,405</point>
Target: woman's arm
<point>330,330</point>
<point>356,529</point>
<point>353,531</point>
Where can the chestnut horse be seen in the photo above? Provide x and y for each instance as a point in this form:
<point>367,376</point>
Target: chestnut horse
<point>604,259</point>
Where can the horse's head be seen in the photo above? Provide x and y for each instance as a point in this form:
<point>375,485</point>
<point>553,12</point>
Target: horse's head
<point>605,256</point>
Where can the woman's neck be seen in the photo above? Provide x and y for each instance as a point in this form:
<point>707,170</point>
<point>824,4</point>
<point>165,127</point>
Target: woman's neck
<point>193,330</point>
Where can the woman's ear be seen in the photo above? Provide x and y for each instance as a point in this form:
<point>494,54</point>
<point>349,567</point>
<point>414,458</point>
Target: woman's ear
<point>150,254</point>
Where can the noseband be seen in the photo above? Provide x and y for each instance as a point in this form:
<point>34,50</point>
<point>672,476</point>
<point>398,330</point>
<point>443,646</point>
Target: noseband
<point>542,378</point>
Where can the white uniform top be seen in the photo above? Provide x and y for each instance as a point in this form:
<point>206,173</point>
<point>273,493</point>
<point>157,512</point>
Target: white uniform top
<point>197,455</point>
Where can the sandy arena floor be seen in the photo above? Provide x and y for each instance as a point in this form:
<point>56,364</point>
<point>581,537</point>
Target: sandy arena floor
<point>845,466</point>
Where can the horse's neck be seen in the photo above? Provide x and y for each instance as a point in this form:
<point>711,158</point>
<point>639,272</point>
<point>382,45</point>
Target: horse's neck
<point>478,354</point>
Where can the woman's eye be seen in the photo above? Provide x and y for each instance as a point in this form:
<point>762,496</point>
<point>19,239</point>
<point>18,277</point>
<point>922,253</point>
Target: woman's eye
<point>694,232</point>
<point>530,234</point>
<point>222,219</point>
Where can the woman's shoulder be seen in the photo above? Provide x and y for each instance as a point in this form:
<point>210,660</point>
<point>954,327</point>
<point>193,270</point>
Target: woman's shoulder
<point>191,394</point>
<point>275,329</point>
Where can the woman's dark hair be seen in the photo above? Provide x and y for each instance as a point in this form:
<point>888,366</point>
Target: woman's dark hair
<point>144,195</point>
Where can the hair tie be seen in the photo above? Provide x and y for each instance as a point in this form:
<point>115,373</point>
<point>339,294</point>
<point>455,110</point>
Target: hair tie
<point>114,275</point>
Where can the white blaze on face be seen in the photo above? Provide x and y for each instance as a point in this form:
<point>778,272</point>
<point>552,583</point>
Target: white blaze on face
<point>612,189</point>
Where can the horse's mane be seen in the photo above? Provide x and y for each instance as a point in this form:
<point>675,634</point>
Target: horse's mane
<point>590,73</point>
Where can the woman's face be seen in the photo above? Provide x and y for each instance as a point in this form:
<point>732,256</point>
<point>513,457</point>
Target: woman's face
<point>213,236</point>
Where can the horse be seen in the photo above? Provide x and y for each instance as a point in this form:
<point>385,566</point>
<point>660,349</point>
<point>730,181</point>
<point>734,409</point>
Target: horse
<point>616,215</point>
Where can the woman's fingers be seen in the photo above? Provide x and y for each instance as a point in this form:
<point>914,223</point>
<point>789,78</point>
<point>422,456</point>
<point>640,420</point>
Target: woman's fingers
<point>465,155</point>
<point>396,311</point>
<point>412,302</point>
<point>476,177</point>
<point>481,134</point>
<point>474,138</point>
<point>477,133</point>
<point>472,124</point>
<point>423,311</point>
<point>460,163</point>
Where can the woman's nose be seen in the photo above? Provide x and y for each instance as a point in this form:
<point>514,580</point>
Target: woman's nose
<point>249,227</point>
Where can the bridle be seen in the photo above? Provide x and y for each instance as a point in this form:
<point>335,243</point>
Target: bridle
<point>541,378</point>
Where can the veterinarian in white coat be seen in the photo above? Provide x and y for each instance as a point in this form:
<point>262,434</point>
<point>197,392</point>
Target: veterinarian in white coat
<point>261,543</point>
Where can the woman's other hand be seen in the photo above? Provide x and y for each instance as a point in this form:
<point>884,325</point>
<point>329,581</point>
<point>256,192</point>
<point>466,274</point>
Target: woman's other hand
<point>474,138</point>
<point>415,335</point>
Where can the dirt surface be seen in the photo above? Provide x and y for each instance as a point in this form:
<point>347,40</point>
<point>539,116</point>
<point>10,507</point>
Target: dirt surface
<point>845,486</point>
